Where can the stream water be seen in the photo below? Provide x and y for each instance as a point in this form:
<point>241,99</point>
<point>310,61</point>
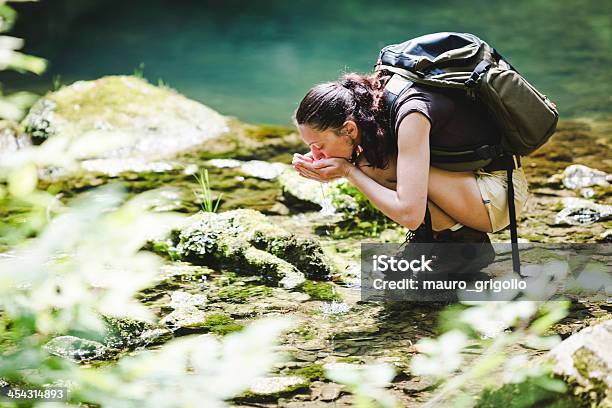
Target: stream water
<point>255,60</point>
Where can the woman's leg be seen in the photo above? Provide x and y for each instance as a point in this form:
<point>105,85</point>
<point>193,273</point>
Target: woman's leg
<point>457,196</point>
<point>439,219</point>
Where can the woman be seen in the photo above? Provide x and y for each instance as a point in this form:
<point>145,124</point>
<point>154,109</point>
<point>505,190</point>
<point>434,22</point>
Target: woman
<point>345,125</point>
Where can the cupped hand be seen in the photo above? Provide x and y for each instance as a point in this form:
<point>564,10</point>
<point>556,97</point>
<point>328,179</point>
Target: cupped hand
<point>324,170</point>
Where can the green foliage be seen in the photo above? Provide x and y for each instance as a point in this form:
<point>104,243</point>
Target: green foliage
<point>139,71</point>
<point>13,106</point>
<point>492,327</point>
<point>362,218</point>
<point>205,193</point>
<point>535,391</point>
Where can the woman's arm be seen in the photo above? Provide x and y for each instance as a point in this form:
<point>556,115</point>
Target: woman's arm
<point>406,204</point>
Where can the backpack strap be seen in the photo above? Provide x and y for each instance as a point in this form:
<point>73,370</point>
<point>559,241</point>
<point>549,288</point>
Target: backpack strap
<point>395,87</point>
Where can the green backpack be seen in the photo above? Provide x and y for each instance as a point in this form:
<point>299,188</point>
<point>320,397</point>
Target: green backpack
<point>525,117</point>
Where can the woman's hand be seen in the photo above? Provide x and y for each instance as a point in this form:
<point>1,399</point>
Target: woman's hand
<point>323,170</point>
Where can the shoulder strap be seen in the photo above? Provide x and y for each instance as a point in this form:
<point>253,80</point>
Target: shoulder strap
<point>395,87</point>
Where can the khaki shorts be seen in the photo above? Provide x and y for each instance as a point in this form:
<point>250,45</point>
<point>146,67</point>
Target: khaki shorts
<point>494,191</point>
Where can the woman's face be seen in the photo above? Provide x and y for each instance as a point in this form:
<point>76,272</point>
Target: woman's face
<point>327,143</point>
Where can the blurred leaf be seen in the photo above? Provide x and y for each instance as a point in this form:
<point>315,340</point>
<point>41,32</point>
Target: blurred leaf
<point>22,181</point>
<point>22,63</point>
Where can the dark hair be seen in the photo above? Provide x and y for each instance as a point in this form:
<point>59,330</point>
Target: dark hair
<point>353,97</point>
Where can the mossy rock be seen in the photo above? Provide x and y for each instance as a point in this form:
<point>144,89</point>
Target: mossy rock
<point>148,121</point>
<point>245,241</point>
<point>526,394</point>
<point>272,388</point>
<point>247,142</point>
<point>313,372</point>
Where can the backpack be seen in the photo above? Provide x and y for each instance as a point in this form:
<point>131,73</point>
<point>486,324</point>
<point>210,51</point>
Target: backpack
<point>526,118</point>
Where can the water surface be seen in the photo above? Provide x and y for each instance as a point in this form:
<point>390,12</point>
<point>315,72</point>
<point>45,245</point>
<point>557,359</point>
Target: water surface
<point>256,59</point>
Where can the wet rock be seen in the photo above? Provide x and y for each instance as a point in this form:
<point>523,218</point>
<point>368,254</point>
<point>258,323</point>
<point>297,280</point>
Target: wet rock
<point>585,361</point>
<point>131,117</point>
<point>276,386</point>
<point>254,168</point>
<point>305,194</point>
<point>113,167</point>
<point>578,176</point>
<point>578,211</point>
<point>76,349</point>
<point>245,240</point>
<point>185,318</point>
<point>186,314</point>
<point>251,142</point>
<point>130,334</point>
<point>160,199</point>
<point>263,170</point>
<point>335,308</point>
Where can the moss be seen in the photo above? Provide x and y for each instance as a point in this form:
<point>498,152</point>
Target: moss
<point>526,394</point>
<point>349,360</point>
<point>221,324</point>
<point>313,372</point>
<point>320,290</point>
<point>105,96</point>
<point>242,294</point>
<point>264,132</point>
<point>249,396</point>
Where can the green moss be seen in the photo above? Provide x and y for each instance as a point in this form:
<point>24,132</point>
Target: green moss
<point>313,372</point>
<point>527,394</point>
<point>320,290</point>
<point>242,294</point>
<point>349,360</point>
<point>105,97</point>
<point>252,397</point>
<point>264,132</point>
<point>221,324</point>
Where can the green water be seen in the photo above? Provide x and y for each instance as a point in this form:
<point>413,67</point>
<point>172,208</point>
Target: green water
<point>256,59</point>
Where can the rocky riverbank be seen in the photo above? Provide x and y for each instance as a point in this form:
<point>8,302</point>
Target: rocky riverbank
<point>279,244</point>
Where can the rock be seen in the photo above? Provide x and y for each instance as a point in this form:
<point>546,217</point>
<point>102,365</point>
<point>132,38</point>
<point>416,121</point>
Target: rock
<point>131,117</point>
<point>76,349</point>
<point>113,167</point>
<point>263,170</point>
<point>305,194</point>
<point>276,386</point>
<point>183,300</point>
<point>304,356</point>
<point>579,211</point>
<point>330,392</point>
<point>186,315</point>
<point>578,176</point>
<point>11,138</point>
<point>245,240</point>
<point>254,168</point>
<point>130,334</point>
<point>585,360</point>
<point>335,308</point>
